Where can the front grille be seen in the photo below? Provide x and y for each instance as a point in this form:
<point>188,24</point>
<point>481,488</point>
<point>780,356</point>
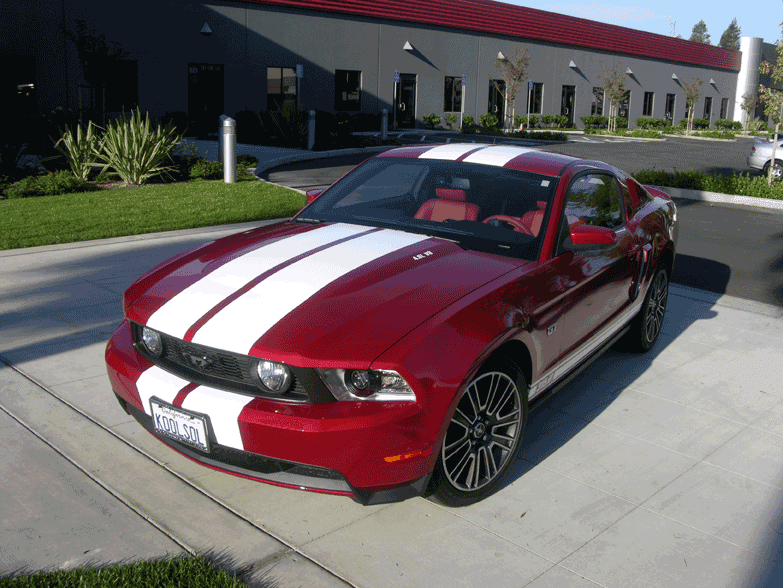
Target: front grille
<point>226,370</point>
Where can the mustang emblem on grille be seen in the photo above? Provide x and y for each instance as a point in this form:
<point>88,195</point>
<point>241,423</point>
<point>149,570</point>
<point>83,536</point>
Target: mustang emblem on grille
<point>199,360</point>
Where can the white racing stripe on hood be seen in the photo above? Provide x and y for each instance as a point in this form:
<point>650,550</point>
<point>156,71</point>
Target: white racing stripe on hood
<point>240,324</point>
<point>449,152</point>
<point>498,155</point>
<point>160,383</point>
<point>223,409</point>
<point>177,315</point>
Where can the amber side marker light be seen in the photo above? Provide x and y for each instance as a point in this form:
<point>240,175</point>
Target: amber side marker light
<point>420,453</point>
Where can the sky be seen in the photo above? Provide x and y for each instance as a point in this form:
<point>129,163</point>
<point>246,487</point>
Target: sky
<point>758,18</point>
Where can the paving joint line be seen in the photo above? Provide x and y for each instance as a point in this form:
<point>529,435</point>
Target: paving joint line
<point>165,466</point>
<point>100,483</point>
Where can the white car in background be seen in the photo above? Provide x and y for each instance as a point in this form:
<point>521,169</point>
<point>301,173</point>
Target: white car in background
<point>761,155</point>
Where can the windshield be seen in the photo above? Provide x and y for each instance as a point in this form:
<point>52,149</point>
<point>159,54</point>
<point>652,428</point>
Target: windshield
<point>480,207</point>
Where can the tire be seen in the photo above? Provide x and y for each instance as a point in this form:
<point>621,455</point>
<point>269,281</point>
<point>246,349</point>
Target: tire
<point>777,170</point>
<point>483,436</point>
<point>646,326</point>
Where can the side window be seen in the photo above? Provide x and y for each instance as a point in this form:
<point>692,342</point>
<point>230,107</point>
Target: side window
<point>595,199</point>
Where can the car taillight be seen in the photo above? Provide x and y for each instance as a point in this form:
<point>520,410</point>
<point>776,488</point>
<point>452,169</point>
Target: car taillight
<point>752,148</point>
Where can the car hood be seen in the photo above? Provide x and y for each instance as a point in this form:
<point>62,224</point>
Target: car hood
<point>309,295</point>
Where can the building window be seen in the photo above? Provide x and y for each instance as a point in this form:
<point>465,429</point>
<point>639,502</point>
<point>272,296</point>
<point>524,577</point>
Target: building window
<point>536,97</point>
<point>597,108</point>
<point>280,86</point>
<point>625,105</point>
<point>670,107</point>
<point>724,108</point>
<point>647,108</point>
<point>708,108</point>
<point>347,90</point>
<point>452,94</point>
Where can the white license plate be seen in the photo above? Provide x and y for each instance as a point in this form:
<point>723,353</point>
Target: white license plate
<point>175,423</point>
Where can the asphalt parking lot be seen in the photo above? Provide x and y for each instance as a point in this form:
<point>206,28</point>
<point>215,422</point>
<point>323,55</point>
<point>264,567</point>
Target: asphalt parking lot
<point>655,470</point>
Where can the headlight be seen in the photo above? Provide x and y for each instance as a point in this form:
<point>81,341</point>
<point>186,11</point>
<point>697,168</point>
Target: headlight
<point>274,376</point>
<point>367,385</point>
<point>152,341</point>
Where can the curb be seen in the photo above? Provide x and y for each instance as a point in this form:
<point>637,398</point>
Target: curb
<point>735,199</point>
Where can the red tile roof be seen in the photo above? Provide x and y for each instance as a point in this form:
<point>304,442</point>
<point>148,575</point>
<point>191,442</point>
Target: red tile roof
<point>488,16</point>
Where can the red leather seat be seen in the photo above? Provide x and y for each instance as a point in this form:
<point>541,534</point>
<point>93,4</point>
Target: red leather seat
<point>449,204</point>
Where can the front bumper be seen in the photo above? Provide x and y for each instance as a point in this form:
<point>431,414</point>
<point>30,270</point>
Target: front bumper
<point>375,452</point>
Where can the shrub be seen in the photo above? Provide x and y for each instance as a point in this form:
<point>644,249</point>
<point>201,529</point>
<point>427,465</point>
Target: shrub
<point>48,184</point>
<point>467,121</point>
<point>206,170</point>
<point>432,120</point>
<point>561,121</point>
<point>595,121</point>
<point>365,122</point>
<point>451,120</point>
<point>488,120</point>
<point>701,123</point>
<point>717,134</point>
<point>288,126</point>
<point>134,150</point>
<point>246,160</point>
<point>758,125</point>
<point>644,122</point>
<point>533,120</point>
<point>541,135</point>
<point>645,134</point>
<point>79,149</point>
<point>177,119</point>
<point>547,119</point>
<point>250,129</point>
<point>723,123</point>
<point>519,121</point>
<point>742,184</point>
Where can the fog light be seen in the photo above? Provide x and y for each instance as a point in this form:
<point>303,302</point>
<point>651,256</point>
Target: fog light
<point>360,379</point>
<point>152,341</point>
<point>274,376</point>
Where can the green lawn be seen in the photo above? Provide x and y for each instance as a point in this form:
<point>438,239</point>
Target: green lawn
<point>48,220</point>
<point>190,572</point>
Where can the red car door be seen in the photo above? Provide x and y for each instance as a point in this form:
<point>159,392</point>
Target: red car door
<point>599,279</point>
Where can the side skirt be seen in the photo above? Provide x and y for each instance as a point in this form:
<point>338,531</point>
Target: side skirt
<point>541,399</point>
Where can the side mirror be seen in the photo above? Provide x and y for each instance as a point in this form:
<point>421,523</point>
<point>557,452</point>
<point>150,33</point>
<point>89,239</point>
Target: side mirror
<point>312,195</point>
<point>588,236</point>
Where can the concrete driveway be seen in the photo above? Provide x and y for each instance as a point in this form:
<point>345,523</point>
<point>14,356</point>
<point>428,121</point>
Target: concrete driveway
<point>654,470</point>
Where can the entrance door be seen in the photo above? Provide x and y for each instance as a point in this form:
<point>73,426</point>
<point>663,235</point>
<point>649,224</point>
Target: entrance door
<point>708,109</point>
<point>205,97</point>
<point>405,102</point>
<point>496,102</point>
<point>567,103</point>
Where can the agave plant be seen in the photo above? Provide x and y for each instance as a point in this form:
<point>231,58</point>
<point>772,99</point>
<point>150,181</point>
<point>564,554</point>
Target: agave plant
<point>79,149</point>
<point>136,151</point>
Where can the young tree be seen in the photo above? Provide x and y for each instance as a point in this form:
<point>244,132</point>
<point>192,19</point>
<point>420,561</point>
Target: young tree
<point>512,71</point>
<point>97,56</point>
<point>692,95</point>
<point>614,88</point>
<point>749,103</point>
<point>730,39</point>
<point>773,100</point>
<point>700,34</point>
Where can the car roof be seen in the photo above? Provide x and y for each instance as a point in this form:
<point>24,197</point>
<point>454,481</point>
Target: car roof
<point>518,157</point>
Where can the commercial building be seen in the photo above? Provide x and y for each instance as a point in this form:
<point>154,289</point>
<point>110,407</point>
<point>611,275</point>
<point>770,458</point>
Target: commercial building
<point>411,57</point>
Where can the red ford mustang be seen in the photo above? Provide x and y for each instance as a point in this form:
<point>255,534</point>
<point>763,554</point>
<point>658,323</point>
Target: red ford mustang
<point>389,340</point>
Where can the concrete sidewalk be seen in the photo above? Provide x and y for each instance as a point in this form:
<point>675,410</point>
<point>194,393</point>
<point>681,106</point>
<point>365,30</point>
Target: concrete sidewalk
<point>656,470</point>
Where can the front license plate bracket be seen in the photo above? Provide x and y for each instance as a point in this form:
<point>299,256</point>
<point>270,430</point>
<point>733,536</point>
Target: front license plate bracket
<point>184,426</point>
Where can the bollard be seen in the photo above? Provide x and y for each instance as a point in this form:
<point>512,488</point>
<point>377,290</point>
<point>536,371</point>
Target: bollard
<point>384,124</point>
<point>310,129</point>
<point>221,118</point>
<point>229,142</point>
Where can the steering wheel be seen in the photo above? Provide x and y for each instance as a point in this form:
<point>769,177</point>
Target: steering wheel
<point>515,222</point>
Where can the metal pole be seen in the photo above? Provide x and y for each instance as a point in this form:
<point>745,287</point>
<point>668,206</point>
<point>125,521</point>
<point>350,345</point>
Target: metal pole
<point>221,120</point>
<point>384,124</point>
<point>229,150</point>
<point>310,130</point>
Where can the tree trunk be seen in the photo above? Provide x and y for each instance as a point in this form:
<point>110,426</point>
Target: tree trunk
<point>774,153</point>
